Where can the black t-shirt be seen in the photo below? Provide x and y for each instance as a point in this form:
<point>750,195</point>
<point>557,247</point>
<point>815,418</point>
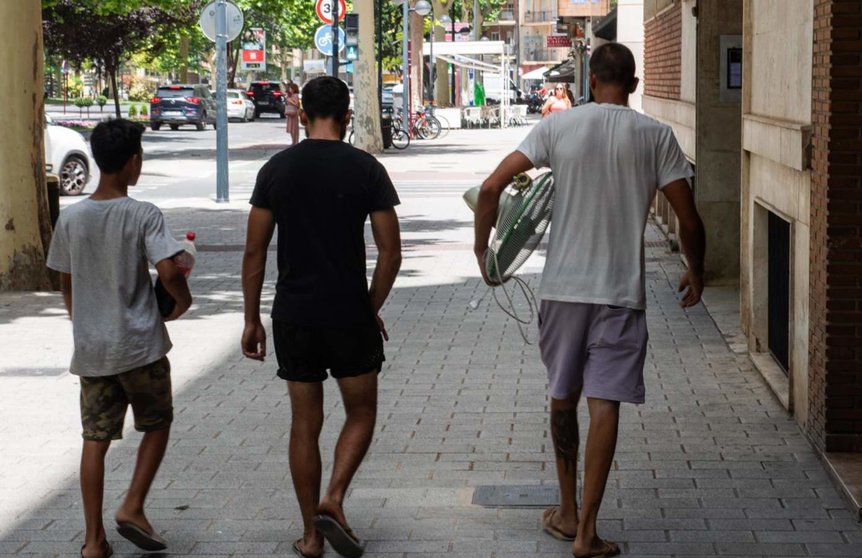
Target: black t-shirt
<point>320,193</point>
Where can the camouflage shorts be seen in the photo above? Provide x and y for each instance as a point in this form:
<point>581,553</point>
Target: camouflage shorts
<point>104,401</point>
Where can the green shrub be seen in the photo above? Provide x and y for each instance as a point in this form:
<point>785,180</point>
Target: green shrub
<point>143,111</point>
<point>83,102</point>
<point>102,100</point>
<point>133,111</point>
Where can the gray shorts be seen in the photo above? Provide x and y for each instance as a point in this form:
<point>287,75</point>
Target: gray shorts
<point>594,349</point>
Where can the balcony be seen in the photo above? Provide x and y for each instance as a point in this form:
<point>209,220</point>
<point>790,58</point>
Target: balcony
<point>543,16</point>
<point>542,55</point>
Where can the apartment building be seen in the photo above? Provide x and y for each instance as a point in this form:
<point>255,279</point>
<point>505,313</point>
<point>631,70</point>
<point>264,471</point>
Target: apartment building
<point>763,96</point>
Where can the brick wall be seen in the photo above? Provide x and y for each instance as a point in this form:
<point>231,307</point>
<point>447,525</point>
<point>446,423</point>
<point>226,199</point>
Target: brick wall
<point>663,53</point>
<point>835,344</point>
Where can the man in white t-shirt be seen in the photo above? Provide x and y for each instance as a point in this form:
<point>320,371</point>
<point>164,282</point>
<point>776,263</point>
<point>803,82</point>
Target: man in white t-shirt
<point>608,161</point>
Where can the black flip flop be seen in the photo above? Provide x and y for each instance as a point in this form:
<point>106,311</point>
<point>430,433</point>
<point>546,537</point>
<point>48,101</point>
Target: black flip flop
<point>341,538</point>
<point>140,538</point>
<point>298,551</point>
<point>107,551</point>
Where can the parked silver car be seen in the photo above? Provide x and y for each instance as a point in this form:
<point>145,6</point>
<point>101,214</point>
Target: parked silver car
<point>67,155</point>
<point>239,106</point>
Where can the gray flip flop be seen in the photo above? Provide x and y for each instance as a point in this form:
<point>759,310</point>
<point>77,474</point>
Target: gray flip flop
<point>342,539</point>
<point>141,538</point>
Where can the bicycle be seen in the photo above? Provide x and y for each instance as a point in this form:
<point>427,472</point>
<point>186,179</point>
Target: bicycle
<point>421,125</point>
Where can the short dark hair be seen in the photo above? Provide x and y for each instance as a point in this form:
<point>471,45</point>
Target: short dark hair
<point>325,97</point>
<point>613,63</point>
<point>115,142</point>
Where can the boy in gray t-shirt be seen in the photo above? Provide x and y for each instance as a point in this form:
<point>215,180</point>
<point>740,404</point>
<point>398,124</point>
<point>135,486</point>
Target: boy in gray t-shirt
<point>102,246</point>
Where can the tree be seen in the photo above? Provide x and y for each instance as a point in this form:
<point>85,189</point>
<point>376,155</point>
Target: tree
<point>366,121</point>
<point>107,32</point>
<point>289,24</point>
<point>25,225</point>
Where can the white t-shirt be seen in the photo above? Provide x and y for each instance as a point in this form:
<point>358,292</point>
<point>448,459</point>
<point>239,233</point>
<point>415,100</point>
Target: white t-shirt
<point>608,161</point>
<point>105,245</point>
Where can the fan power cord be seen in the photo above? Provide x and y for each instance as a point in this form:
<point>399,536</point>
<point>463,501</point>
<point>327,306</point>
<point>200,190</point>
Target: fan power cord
<point>508,305</point>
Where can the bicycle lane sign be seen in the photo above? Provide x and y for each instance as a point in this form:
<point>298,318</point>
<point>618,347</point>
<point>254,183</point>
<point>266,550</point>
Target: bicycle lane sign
<point>323,39</point>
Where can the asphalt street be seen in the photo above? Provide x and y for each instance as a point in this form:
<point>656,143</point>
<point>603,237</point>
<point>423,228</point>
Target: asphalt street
<point>181,164</point>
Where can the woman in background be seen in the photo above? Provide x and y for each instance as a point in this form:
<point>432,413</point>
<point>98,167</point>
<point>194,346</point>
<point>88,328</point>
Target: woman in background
<point>291,111</point>
<point>558,102</point>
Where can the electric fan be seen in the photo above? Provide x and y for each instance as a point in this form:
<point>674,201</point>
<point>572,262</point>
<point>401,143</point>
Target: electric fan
<point>522,218</point>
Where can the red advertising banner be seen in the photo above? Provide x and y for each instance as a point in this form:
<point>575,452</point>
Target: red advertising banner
<point>559,41</point>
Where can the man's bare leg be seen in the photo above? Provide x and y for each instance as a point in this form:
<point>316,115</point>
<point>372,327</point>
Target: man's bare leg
<point>566,438</point>
<point>598,457</point>
<point>150,455</point>
<point>306,403</point>
<point>360,405</point>
<point>92,494</point>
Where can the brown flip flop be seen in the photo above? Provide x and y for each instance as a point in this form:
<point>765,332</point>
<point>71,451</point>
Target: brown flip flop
<point>551,529</point>
<point>610,549</point>
<point>298,551</point>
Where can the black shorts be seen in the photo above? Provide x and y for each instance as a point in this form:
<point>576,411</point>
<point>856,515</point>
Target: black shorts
<point>306,353</point>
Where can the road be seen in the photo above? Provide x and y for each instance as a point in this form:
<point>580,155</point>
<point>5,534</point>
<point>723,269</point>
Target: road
<point>180,166</point>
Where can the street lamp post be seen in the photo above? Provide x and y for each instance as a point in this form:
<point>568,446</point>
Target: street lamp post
<point>423,8</point>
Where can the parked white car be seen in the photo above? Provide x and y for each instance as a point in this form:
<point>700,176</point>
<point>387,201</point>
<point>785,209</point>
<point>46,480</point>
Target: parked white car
<point>239,106</point>
<point>67,154</point>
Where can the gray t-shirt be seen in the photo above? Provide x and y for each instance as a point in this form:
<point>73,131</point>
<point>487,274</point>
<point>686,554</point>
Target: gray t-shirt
<point>105,245</point>
<point>608,161</point>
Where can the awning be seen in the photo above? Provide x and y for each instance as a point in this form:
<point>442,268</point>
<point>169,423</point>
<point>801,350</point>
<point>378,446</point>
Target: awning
<point>562,72</point>
<point>538,73</point>
<point>606,28</point>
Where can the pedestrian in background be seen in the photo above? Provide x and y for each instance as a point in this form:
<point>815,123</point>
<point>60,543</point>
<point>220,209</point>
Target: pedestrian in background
<point>608,160</point>
<point>102,246</point>
<point>325,317</point>
<point>291,111</point>
<point>558,102</point>
<point>569,95</point>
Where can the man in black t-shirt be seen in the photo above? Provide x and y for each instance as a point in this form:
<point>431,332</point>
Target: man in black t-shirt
<point>325,316</point>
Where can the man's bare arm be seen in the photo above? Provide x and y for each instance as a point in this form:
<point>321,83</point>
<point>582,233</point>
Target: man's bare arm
<point>176,285</point>
<point>66,288</point>
<point>489,199</point>
<point>387,238</point>
<point>261,225</point>
<point>692,236</point>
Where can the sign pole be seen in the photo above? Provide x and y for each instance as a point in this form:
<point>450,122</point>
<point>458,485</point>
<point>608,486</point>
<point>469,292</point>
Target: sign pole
<point>335,7</point>
<point>222,187</point>
<point>405,82</point>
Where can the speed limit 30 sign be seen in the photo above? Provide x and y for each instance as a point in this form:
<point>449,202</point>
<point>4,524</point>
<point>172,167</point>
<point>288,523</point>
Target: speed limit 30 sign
<point>324,10</point>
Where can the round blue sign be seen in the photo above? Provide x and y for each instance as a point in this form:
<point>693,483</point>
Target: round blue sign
<point>323,39</point>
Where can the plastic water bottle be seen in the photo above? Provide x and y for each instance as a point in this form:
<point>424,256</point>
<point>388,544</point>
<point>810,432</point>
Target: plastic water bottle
<point>185,261</point>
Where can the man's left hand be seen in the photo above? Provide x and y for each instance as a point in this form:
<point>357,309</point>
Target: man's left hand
<point>692,281</point>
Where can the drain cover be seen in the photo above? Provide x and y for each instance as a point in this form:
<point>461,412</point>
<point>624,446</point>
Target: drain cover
<point>31,372</point>
<point>515,496</point>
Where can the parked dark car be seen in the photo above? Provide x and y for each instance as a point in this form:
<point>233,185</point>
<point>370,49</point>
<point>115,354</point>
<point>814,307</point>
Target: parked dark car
<point>176,105</point>
<point>267,96</point>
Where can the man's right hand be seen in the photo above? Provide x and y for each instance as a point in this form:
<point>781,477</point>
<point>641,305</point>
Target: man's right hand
<point>693,281</point>
<point>382,327</point>
<point>254,341</point>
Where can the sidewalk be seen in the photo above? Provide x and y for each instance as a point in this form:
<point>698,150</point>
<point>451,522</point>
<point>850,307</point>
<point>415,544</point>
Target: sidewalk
<point>710,466</point>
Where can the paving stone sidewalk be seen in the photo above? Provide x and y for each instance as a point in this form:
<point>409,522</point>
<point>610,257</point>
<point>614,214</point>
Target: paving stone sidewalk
<point>711,465</point>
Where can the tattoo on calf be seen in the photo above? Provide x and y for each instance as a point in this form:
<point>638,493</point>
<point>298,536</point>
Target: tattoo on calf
<point>564,430</point>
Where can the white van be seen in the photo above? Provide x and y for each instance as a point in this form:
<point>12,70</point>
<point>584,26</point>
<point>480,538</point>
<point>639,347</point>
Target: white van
<point>493,85</point>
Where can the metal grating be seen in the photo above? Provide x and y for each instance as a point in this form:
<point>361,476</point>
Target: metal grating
<point>516,496</point>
